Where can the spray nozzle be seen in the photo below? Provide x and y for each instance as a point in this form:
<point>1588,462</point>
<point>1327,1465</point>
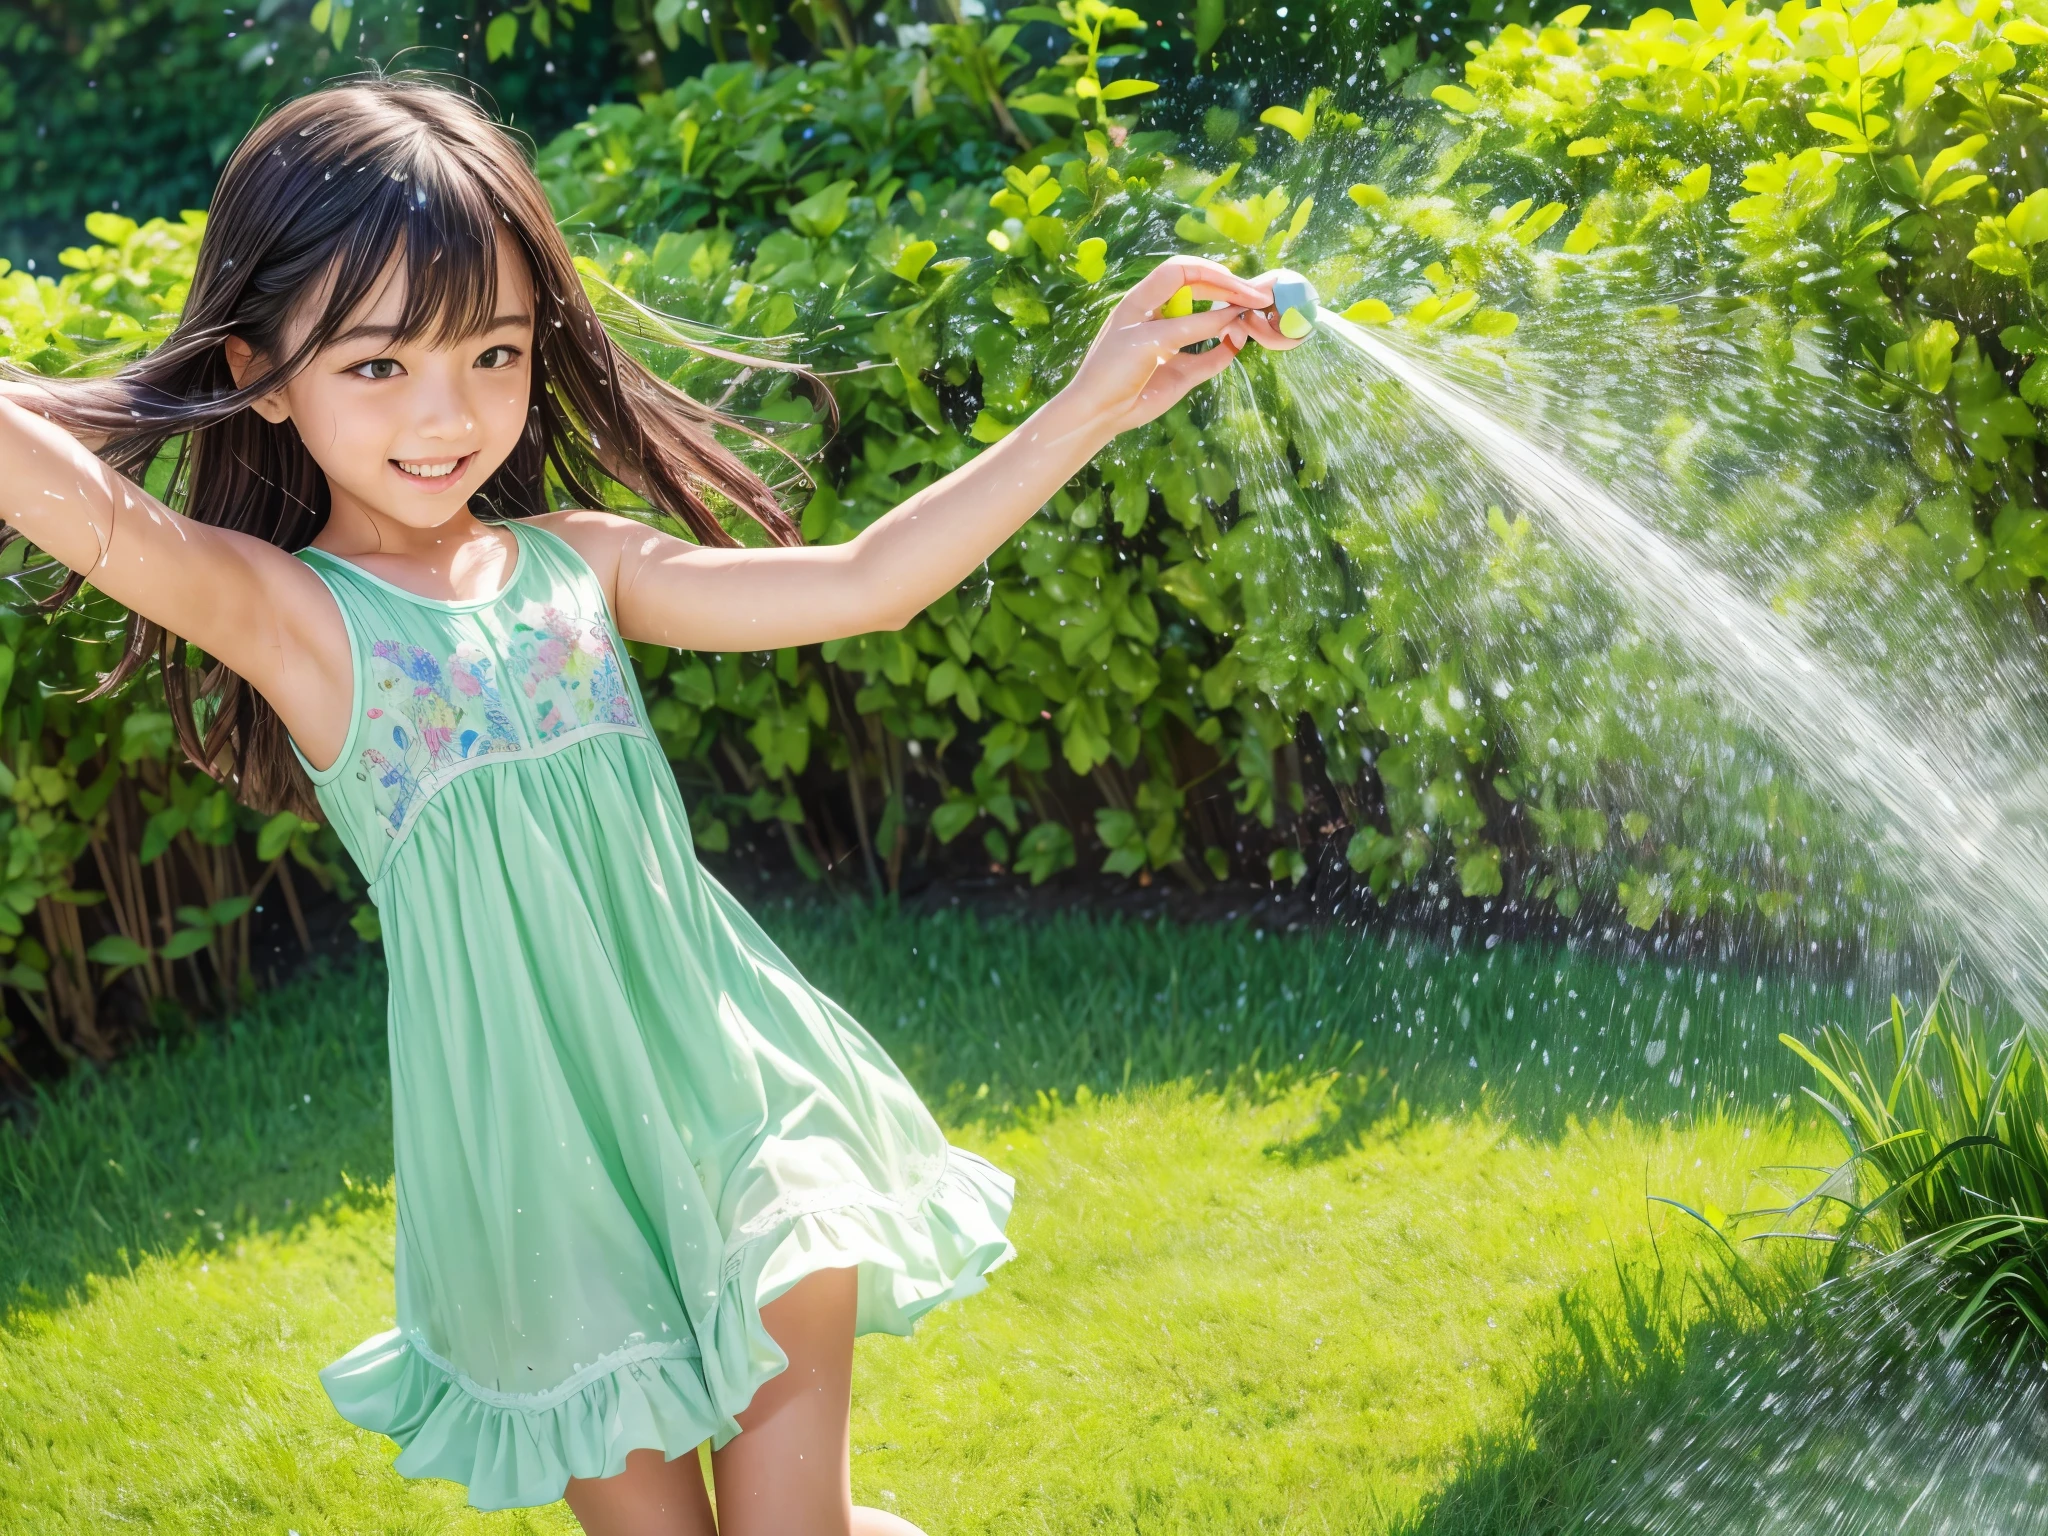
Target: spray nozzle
<point>1294,303</point>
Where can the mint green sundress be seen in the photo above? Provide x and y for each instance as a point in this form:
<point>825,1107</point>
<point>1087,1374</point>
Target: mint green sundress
<point>623,1122</point>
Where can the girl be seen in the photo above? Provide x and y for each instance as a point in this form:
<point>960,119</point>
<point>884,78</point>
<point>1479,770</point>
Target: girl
<point>650,1184</point>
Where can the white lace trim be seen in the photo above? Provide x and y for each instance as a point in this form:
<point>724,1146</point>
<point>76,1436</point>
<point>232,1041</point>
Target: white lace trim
<point>798,1204</point>
<point>537,1402</point>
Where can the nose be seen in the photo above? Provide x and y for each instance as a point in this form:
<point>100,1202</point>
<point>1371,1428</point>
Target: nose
<point>443,411</point>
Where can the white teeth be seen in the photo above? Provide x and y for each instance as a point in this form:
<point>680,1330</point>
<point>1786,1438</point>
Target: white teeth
<point>429,471</point>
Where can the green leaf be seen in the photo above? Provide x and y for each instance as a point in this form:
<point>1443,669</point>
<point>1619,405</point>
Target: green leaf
<point>1479,871</point>
<point>2023,339</point>
<point>1296,125</point>
<point>365,922</point>
<point>158,833</point>
<point>1456,97</point>
<point>2027,223</point>
<point>1369,849</point>
<point>922,399</point>
<point>500,35</point>
<point>1046,849</point>
<point>1210,20</point>
<point>1123,90</point>
<point>1582,149</point>
<point>229,909</point>
<point>1289,864</point>
<point>1089,264</point>
<point>186,941</point>
<point>954,816</point>
<point>1643,902</point>
<point>2003,258</point>
<point>1118,832</point>
<point>1022,304</point>
<point>1840,127</point>
<point>118,950</point>
<point>820,215</point>
<point>1047,106</point>
<point>911,260</point>
<point>277,834</point>
<point>989,429</point>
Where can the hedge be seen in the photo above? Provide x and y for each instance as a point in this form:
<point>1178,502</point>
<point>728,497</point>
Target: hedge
<point>1190,666</point>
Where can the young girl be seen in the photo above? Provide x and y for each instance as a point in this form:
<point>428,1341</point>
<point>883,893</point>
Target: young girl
<point>650,1183</point>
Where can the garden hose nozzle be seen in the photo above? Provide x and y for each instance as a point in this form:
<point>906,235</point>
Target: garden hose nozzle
<point>1294,303</point>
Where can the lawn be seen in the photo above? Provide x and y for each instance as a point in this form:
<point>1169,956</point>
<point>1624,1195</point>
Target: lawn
<point>1252,1293</point>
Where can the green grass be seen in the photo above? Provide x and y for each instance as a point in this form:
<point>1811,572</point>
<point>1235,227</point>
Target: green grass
<point>1250,1295</point>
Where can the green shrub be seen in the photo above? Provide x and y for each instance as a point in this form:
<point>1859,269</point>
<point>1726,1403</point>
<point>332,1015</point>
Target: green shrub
<point>133,106</point>
<point>1163,634</point>
<point>1205,660</point>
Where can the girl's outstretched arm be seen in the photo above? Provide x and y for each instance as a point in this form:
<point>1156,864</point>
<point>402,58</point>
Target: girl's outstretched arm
<point>243,602</point>
<point>669,592</point>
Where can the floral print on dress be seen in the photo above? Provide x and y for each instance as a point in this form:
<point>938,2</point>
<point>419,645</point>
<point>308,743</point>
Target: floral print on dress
<point>427,715</point>
<point>566,665</point>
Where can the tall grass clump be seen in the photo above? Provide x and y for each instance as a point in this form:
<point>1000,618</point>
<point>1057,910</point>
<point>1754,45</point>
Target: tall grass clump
<point>1947,1132</point>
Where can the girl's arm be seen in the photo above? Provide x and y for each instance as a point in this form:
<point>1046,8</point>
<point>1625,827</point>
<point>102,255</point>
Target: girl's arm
<point>31,395</point>
<point>693,597</point>
<point>244,602</point>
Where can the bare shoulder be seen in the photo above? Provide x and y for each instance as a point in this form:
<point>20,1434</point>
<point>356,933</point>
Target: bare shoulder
<point>609,543</point>
<point>601,537</point>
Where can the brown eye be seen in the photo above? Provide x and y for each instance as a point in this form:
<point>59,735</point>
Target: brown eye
<point>378,368</point>
<point>498,357</point>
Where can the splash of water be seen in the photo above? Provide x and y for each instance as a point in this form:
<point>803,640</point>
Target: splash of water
<point>1979,867</point>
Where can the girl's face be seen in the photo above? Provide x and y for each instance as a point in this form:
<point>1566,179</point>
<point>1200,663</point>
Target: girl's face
<point>407,431</point>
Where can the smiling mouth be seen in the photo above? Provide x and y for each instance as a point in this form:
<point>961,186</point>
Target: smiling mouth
<point>432,473</point>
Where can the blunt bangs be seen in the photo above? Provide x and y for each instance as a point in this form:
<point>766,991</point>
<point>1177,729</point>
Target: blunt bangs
<point>421,206</point>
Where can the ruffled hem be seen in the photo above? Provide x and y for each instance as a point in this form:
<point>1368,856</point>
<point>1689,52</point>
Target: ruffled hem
<point>518,1451</point>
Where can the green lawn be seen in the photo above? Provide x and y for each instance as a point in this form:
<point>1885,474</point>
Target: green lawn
<point>1245,1300</point>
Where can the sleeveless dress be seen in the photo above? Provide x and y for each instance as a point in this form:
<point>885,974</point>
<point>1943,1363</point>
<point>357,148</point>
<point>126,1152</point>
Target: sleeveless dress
<point>623,1122</point>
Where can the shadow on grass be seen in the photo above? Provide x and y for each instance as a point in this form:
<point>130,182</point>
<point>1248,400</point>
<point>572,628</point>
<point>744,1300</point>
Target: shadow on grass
<point>1730,1400</point>
<point>282,1112</point>
<point>1640,1357</point>
<point>987,1016</point>
<point>256,1125</point>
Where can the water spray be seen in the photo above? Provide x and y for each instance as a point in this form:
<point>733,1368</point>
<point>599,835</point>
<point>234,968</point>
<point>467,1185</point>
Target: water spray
<point>1294,303</point>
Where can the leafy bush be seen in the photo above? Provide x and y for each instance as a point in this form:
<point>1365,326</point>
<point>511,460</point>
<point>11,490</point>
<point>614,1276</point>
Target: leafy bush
<point>132,107</point>
<point>1205,659</point>
<point>96,789</point>
<point>1866,165</point>
<point>1161,636</point>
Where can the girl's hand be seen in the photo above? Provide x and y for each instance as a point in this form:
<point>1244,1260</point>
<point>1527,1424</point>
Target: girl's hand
<point>1136,370</point>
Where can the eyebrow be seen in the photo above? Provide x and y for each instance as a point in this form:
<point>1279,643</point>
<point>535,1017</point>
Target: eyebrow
<point>497,323</point>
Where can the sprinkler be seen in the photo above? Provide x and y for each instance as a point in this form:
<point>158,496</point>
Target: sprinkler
<point>1294,302</point>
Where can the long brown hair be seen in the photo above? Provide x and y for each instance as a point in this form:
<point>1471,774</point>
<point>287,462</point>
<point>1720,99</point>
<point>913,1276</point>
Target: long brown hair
<point>335,184</point>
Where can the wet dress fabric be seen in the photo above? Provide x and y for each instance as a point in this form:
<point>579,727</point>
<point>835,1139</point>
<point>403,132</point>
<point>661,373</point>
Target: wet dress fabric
<point>623,1121</point>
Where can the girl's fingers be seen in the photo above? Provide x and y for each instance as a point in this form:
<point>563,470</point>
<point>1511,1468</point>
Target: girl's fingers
<point>1184,370</point>
<point>1268,335</point>
<point>1209,279</point>
<point>1184,330</point>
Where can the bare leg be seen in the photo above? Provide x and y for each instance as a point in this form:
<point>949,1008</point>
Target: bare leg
<point>788,1471</point>
<point>652,1497</point>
